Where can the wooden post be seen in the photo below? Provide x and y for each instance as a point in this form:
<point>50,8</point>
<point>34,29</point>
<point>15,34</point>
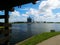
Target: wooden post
<point>7,25</point>
<point>6,19</point>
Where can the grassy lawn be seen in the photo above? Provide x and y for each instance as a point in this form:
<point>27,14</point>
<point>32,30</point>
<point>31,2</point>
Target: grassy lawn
<point>1,26</point>
<point>38,38</point>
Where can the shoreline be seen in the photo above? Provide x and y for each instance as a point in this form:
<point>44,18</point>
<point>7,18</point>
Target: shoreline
<point>38,38</point>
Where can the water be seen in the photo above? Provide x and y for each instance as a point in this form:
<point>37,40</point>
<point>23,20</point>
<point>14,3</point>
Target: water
<point>23,31</point>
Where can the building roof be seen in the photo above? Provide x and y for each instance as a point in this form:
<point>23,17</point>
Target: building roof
<point>9,4</point>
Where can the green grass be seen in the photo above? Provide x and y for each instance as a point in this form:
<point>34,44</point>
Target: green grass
<point>38,38</point>
<point>1,26</point>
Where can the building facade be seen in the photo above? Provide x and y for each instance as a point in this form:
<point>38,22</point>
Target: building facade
<point>29,20</point>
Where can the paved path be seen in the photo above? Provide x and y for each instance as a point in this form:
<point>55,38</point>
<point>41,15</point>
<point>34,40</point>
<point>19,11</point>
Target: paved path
<point>52,41</point>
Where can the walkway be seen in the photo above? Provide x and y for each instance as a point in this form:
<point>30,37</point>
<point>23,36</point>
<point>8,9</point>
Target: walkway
<point>52,41</point>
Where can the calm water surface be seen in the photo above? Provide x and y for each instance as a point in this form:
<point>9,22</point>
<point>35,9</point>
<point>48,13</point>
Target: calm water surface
<point>23,31</point>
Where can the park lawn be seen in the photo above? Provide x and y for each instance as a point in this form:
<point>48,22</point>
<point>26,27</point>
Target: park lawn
<point>38,38</point>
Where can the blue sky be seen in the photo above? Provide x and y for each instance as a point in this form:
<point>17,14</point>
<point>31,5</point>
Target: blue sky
<point>47,10</point>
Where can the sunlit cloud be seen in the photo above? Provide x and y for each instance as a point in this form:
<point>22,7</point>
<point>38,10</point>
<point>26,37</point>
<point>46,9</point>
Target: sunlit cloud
<point>45,8</point>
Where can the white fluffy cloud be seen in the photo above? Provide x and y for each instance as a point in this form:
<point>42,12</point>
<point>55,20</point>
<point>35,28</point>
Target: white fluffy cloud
<point>45,8</point>
<point>16,16</point>
<point>34,11</point>
<point>15,13</point>
<point>51,4</point>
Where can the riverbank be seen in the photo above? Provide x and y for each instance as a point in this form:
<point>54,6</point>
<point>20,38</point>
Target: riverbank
<point>51,41</point>
<point>38,38</point>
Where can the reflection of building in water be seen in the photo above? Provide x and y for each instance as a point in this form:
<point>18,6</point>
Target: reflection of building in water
<point>29,19</point>
<point>29,31</point>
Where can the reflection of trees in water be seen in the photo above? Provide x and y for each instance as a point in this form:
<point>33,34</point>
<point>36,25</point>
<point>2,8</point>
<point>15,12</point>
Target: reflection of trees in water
<point>29,31</point>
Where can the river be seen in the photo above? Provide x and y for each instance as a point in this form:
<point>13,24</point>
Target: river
<point>20,32</point>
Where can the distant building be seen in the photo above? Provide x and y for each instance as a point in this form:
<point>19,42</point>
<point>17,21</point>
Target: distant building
<point>29,20</point>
